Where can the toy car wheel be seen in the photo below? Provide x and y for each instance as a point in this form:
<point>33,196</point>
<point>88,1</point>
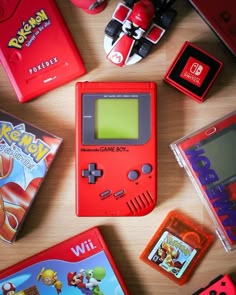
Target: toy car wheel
<point>167,18</point>
<point>113,28</point>
<point>130,3</point>
<point>144,48</point>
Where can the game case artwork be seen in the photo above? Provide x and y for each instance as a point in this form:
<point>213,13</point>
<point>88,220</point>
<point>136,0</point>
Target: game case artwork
<point>26,153</point>
<point>79,265</point>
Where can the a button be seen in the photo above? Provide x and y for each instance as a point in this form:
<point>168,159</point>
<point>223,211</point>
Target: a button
<point>92,173</point>
<point>147,168</point>
<point>119,193</point>
<point>133,175</point>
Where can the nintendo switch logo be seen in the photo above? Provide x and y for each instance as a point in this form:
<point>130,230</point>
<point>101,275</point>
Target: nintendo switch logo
<point>196,69</point>
<point>195,72</point>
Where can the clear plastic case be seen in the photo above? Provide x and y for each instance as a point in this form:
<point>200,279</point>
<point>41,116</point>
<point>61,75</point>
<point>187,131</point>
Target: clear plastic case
<point>209,158</point>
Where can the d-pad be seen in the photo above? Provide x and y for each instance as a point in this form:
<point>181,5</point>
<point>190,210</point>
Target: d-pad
<point>92,173</point>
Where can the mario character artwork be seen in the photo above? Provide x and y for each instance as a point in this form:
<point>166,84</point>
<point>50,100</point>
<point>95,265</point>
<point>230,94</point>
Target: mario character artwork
<point>49,278</point>
<point>94,278</point>
<point>135,27</point>
<point>76,280</point>
<point>8,289</point>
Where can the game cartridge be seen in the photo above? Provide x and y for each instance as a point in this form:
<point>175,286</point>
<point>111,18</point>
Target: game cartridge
<point>80,265</point>
<point>26,153</point>
<point>116,148</point>
<point>209,157</point>
<point>36,48</point>
<point>176,247</point>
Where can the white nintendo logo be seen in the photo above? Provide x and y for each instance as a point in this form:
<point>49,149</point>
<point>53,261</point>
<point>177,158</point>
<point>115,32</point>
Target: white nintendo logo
<point>196,69</point>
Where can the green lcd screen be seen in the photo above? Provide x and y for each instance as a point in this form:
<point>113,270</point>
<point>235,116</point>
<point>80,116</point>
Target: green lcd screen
<point>116,118</point>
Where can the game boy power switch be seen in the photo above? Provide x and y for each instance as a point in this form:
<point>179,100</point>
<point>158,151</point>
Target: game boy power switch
<point>116,148</point>
<point>36,48</point>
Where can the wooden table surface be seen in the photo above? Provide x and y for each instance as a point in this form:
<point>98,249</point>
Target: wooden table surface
<point>52,218</point>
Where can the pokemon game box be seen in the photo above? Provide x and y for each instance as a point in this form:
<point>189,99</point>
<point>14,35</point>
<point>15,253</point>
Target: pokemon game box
<point>26,153</point>
<point>79,265</point>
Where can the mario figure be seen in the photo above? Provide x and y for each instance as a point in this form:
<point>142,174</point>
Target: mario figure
<point>8,289</point>
<point>139,19</point>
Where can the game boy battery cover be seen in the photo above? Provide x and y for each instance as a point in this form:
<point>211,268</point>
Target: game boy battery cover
<point>116,148</point>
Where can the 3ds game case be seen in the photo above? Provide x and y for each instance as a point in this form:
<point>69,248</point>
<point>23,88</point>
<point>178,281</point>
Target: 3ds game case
<point>116,148</point>
<point>176,247</point>
<point>80,265</point>
<point>26,153</point>
<point>208,155</point>
<point>36,47</point>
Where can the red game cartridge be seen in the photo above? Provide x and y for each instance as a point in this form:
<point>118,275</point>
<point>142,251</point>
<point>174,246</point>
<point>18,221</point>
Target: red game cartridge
<point>36,48</point>
<point>176,247</point>
<point>116,148</point>
<point>80,265</point>
<point>26,154</point>
<point>208,156</point>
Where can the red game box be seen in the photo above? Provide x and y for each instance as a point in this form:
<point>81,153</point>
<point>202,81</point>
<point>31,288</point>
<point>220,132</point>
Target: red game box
<point>79,265</point>
<point>220,16</point>
<point>36,48</point>
<point>193,71</point>
<point>176,247</point>
<point>26,153</point>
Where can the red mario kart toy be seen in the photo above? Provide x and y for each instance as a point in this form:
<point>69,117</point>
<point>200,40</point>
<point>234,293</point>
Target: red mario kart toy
<point>135,27</point>
<point>90,6</point>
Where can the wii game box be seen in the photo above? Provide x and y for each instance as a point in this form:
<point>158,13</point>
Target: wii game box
<point>79,265</point>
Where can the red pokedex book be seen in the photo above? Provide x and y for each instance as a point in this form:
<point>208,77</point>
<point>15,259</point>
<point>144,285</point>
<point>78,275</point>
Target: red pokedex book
<point>26,153</point>
<point>36,48</point>
<point>79,265</point>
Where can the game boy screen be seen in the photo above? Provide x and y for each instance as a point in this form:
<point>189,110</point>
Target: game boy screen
<point>117,118</point>
<point>222,154</point>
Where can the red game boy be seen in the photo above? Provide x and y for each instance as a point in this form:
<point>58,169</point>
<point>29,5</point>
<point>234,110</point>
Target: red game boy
<point>36,48</point>
<point>116,148</point>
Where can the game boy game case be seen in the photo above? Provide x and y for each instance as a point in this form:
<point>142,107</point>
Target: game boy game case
<point>26,153</point>
<point>116,148</point>
<point>208,155</point>
<point>36,48</point>
<point>80,265</point>
<point>176,247</point>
